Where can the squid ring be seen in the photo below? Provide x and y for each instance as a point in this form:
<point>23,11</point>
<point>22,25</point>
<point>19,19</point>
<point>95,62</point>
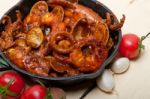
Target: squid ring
<point>62,42</point>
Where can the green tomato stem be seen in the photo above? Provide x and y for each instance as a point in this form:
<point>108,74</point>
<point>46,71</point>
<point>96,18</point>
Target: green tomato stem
<point>4,90</point>
<point>49,94</point>
<point>9,83</point>
<point>141,46</point>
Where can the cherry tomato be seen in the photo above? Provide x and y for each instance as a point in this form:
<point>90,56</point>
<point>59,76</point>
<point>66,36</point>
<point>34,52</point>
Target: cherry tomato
<point>131,45</point>
<point>11,85</point>
<point>34,92</point>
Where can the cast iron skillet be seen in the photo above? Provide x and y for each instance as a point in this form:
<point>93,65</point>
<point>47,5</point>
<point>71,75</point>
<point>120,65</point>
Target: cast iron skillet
<point>25,5</point>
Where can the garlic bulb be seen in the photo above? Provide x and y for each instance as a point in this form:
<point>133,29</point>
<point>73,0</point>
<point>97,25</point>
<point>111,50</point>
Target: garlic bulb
<point>106,81</point>
<point>120,65</point>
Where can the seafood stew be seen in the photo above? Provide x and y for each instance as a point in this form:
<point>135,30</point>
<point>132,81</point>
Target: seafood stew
<point>59,38</point>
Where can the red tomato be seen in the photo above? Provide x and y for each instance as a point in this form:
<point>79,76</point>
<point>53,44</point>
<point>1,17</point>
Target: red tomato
<point>34,92</point>
<point>16,86</point>
<point>130,46</point>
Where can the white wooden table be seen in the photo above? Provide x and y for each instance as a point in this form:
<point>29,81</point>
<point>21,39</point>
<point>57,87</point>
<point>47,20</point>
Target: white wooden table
<point>135,83</point>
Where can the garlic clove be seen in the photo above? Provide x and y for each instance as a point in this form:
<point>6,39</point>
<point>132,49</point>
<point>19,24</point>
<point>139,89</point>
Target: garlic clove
<point>120,65</point>
<point>106,81</point>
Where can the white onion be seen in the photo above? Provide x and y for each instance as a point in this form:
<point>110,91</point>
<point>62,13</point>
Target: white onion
<point>106,81</point>
<point>120,65</point>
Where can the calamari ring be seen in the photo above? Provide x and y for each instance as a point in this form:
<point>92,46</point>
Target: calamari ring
<point>62,42</point>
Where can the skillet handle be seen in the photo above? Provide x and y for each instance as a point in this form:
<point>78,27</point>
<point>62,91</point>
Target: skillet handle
<point>4,65</point>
